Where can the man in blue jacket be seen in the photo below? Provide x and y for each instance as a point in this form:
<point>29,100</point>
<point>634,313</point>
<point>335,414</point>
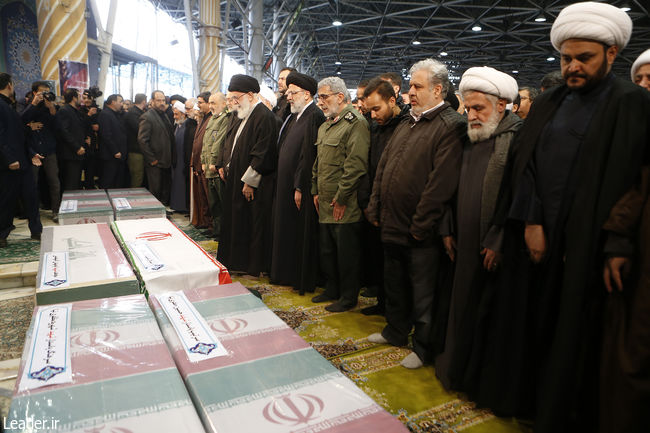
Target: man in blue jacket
<point>15,174</point>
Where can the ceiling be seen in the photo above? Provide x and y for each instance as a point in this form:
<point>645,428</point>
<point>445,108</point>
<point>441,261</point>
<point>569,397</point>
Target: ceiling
<point>390,35</point>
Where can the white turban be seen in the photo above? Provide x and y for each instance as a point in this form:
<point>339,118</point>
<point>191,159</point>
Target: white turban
<point>593,21</point>
<point>488,80</point>
<point>643,59</point>
<point>268,94</point>
<point>179,106</point>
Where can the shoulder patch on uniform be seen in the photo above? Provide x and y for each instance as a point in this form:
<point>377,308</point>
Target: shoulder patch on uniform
<point>349,116</point>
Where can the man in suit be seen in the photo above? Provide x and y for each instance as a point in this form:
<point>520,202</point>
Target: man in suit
<point>156,140</point>
<point>135,161</point>
<point>112,143</point>
<point>16,178</point>
<point>71,134</point>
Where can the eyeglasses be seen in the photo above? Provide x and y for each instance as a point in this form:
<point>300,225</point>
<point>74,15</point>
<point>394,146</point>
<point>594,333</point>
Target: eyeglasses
<point>524,97</point>
<point>236,98</point>
<point>291,92</point>
<point>324,96</point>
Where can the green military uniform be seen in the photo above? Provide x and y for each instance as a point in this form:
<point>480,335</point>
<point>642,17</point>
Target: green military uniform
<point>342,159</point>
<point>215,133</point>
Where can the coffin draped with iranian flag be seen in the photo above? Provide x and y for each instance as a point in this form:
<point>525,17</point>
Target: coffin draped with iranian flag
<point>123,377</point>
<point>135,203</point>
<point>85,207</point>
<point>165,258</point>
<point>271,380</point>
<point>79,262</point>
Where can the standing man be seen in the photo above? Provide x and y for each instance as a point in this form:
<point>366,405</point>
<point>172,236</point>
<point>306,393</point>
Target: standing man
<point>282,108</point>
<point>526,97</point>
<point>41,111</point>
<point>156,138</point>
<point>416,179</point>
<point>135,160</point>
<point>342,159</point>
<point>641,70</point>
<point>580,149</point>
<point>295,224</point>
<point>468,238</point>
<point>245,241</point>
<point>215,133</point>
<point>16,179</point>
<point>200,213</point>
<point>383,106</point>
<point>73,129</point>
<point>112,143</point>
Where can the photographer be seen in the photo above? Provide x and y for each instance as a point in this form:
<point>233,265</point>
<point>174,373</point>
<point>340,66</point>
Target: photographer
<point>112,143</point>
<point>73,139</point>
<point>90,112</point>
<point>39,116</point>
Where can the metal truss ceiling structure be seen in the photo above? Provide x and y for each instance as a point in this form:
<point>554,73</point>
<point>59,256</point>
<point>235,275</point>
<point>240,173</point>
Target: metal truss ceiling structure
<point>376,36</point>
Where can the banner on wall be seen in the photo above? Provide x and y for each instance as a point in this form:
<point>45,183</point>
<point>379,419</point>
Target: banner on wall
<point>73,75</point>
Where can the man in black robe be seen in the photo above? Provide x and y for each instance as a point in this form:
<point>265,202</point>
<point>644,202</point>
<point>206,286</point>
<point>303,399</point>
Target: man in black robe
<point>469,240</point>
<point>579,151</point>
<point>245,241</point>
<point>295,222</point>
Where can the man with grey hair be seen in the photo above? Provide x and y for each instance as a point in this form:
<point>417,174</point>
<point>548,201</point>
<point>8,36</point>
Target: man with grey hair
<point>469,238</point>
<point>416,178</point>
<point>342,149</point>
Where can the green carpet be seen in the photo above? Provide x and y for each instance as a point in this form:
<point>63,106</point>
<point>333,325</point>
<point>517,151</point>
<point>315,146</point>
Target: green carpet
<point>416,397</point>
<point>14,321</point>
<point>20,249</point>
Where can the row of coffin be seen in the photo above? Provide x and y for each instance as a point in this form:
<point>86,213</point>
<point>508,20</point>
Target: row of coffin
<point>130,369</point>
<point>106,206</point>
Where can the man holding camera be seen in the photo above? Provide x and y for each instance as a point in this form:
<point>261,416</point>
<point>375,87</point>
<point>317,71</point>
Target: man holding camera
<point>16,180</point>
<point>39,116</point>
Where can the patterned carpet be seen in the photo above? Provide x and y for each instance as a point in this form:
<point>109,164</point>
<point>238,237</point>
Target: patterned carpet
<point>14,321</point>
<point>416,397</point>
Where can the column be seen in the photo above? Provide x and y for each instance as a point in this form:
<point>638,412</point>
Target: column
<point>256,39</point>
<point>209,42</point>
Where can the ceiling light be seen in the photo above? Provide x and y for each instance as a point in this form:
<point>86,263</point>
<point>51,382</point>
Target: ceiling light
<point>337,23</point>
<point>515,71</point>
<point>550,58</point>
<point>416,42</point>
<point>338,62</point>
<point>626,7</point>
<point>540,18</point>
<point>477,28</point>
<point>444,53</point>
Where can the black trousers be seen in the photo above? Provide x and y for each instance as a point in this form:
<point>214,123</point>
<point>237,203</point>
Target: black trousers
<point>72,174</point>
<point>410,277</point>
<point>15,184</point>
<point>113,173</point>
<point>215,197</point>
<point>50,169</point>
<point>340,257</point>
<point>160,182</point>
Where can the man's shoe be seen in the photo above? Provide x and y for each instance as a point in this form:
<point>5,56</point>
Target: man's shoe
<point>412,361</point>
<point>55,217</point>
<point>338,307</point>
<point>374,310</point>
<point>321,298</point>
<point>377,338</point>
<point>36,236</point>
<point>3,243</point>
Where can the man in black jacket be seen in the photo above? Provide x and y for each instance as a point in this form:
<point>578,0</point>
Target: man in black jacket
<point>112,143</point>
<point>135,160</point>
<point>15,175</point>
<point>71,130</point>
<point>156,140</point>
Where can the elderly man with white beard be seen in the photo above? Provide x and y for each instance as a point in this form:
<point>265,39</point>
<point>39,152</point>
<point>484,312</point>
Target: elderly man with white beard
<point>249,168</point>
<point>470,241</point>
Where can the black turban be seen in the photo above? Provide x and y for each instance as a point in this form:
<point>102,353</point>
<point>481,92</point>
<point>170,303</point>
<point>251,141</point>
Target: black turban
<point>303,81</point>
<point>243,83</point>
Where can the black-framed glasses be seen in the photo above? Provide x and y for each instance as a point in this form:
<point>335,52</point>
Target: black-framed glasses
<point>236,98</point>
<point>292,93</point>
<point>324,96</point>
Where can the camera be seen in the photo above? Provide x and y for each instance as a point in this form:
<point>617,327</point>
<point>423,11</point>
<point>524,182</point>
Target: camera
<point>49,96</point>
<point>93,92</point>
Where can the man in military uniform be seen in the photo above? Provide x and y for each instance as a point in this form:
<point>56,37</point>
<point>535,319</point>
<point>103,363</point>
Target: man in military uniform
<point>215,133</point>
<point>342,159</point>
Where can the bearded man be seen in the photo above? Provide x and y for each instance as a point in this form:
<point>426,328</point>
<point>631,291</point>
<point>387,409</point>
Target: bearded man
<point>249,168</point>
<point>580,149</point>
<point>468,236</point>
<point>295,228</point>
<point>641,70</point>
